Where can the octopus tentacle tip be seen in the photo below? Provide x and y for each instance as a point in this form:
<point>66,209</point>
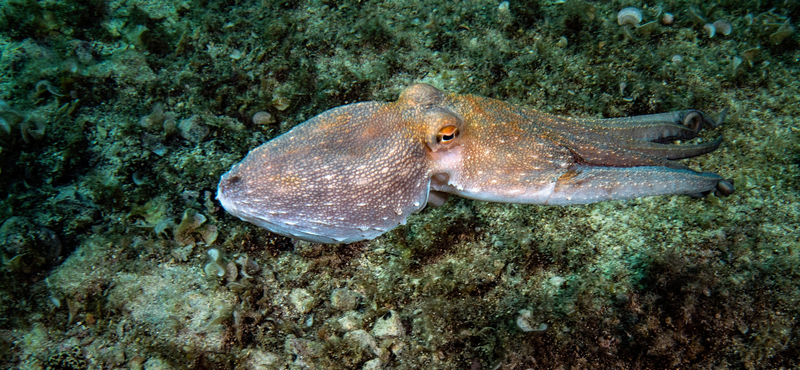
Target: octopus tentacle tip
<point>692,119</point>
<point>716,120</point>
<point>724,188</point>
<point>719,119</point>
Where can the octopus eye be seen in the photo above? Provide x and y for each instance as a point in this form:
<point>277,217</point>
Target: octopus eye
<point>446,134</point>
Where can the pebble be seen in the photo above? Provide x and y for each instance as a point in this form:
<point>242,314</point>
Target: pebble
<point>722,27</point>
<point>263,118</point>
<point>351,320</point>
<point>258,359</point>
<point>389,325</point>
<point>193,129</point>
<point>361,340</point>
<point>667,19</point>
<point>556,281</point>
<point>302,301</point>
<point>302,348</point>
<point>344,299</point>
<point>373,364</point>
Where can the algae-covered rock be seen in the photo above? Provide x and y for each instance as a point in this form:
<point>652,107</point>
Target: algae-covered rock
<point>361,340</point>
<point>302,300</point>
<point>345,299</point>
<point>178,306</point>
<point>193,129</point>
<point>26,247</point>
<point>351,320</point>
<point>373,364</point>
<point>389,325</point>
<point>302,350</point>
<point>259,359</point>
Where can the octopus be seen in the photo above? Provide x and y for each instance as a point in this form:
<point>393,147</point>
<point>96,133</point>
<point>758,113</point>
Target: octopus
<point>357,171</point>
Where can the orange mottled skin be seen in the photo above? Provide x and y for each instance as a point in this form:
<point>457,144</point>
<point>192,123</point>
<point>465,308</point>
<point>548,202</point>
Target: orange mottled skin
<point>354,172</point>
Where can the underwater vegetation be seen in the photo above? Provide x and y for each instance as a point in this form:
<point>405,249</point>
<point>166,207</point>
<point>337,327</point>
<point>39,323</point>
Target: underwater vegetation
<point>118,118</point>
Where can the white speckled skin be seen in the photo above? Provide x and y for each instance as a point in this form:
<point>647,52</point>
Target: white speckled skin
<point>355,172</point>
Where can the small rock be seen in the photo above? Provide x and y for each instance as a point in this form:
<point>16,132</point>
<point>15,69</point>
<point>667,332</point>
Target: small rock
<point>302,348</point>
<point>351,320</point>
<point>302,300</point>
<point>373,364</point>
<point>398,347</point>
<point>389,325</point>
<point>117,357</point>
<point>345,299</point>
<point>258,359</point>
<point>193,129</point>
<point>556,281</point>
<point>263,118</point>
<point>361,340</point>
<point>155,363</point>
<point>280,103</point>
<point>26,247</point>
<point>154,119</point>
<point>182,253</point>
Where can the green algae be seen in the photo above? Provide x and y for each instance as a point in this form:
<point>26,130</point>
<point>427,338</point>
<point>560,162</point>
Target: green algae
<point>656,282</point>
